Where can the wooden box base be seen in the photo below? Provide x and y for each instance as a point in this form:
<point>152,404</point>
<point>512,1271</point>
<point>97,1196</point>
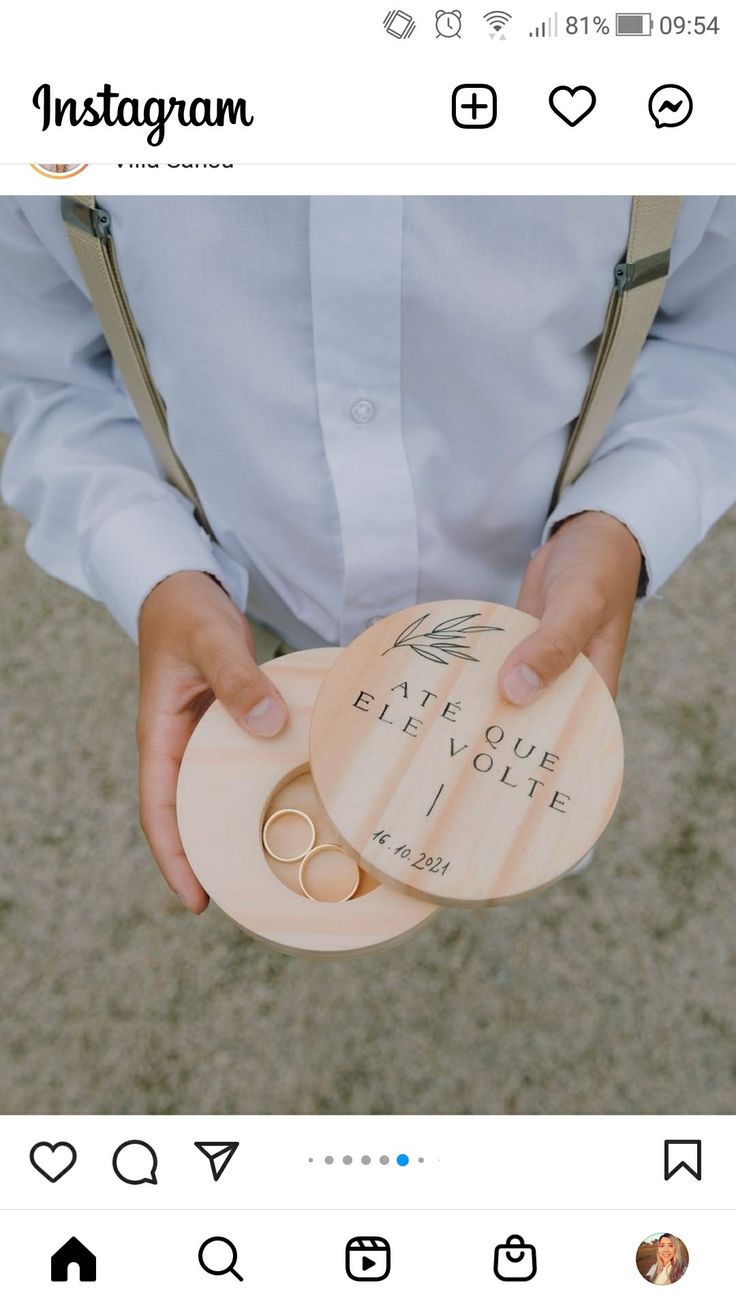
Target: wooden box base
<point>230,783</point>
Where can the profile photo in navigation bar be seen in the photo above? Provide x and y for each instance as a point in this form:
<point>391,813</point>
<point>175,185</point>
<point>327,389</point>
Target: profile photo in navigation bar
<point>662,1259</point>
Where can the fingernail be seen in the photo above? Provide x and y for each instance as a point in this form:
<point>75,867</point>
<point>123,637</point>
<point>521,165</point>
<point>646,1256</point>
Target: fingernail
<point>266,718</point>
<point>521,684</point>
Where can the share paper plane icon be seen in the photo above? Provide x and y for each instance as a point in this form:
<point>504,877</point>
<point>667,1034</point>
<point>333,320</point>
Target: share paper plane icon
<point>217,1153</point>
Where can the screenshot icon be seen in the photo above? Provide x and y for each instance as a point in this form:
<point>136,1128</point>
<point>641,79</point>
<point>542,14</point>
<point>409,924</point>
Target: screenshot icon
<point>368,1258</point>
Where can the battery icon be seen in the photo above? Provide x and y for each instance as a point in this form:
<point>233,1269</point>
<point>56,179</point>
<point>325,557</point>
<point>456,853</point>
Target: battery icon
<point>634,24</point>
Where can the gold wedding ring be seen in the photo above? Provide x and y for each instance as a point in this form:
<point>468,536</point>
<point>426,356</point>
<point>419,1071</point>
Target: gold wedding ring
<point>305,855</point>
<point>319,849</point>
<point>309,847</point>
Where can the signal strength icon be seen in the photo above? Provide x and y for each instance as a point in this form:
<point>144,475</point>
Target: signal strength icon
<point>497,19</point>
<point>550,27</point>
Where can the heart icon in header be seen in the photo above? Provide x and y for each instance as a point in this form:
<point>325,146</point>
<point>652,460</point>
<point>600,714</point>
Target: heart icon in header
<point>572,104</point>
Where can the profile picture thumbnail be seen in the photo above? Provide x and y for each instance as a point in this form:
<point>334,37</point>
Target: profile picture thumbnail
<point>58,170</point>
<point>662,1259</point>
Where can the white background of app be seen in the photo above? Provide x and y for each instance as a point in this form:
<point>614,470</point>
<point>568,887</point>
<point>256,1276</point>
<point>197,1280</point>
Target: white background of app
<point>326,83</point>
<point>379,179</point>
<point>578,1188</point>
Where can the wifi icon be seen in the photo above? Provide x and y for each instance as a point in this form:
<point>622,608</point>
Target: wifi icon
<point>497,19</point>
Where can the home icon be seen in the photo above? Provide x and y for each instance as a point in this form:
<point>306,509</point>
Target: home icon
<point>73,1252</point>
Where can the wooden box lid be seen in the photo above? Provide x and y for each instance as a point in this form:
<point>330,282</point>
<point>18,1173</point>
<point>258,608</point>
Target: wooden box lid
<point>437,783</point>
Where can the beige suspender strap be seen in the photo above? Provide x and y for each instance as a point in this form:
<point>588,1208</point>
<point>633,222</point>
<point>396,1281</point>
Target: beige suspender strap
<point>90,232</point>
<point>639,284</point>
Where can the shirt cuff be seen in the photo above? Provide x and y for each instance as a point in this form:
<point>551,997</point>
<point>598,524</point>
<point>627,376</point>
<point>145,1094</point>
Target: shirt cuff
<point>136,548</point>
<point>650,495</point>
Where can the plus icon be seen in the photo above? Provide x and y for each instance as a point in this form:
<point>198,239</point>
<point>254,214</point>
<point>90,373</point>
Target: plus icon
<point>474,104</point>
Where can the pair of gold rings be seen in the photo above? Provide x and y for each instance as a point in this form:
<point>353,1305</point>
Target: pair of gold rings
<point>305,856</point>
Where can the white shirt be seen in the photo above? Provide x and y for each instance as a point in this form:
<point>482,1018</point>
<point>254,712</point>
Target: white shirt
<point>661,1277</point>
<point>372,396</point>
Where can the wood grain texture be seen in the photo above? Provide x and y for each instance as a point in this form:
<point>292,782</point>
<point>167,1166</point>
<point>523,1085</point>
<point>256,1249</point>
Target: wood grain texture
<point>229,782</point>
<point>439,785</point>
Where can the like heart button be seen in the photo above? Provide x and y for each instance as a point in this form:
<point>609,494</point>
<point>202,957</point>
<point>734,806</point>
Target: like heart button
<point>53,1160</point>
<point>572,103</point>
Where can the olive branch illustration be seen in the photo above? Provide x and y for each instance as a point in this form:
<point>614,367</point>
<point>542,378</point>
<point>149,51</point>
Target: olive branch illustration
<point>446,637</point>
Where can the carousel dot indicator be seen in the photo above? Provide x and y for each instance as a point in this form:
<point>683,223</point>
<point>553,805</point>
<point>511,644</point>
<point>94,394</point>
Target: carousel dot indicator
<point>347,1160</point>
<point>329,1159</point>
<point>402,1159</point>
<point>365,1159</point>
<point>384,1159</point>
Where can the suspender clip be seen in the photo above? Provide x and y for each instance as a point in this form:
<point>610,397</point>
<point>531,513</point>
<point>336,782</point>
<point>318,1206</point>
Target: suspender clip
<point>630,276</point>
<point>93,222</point>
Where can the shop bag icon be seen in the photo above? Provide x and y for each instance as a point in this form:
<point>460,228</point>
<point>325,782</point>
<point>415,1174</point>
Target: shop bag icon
<point>515,1260</point>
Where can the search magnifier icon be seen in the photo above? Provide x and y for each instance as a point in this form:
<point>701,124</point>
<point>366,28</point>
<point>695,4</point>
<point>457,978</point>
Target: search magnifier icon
<point>218,1256</point>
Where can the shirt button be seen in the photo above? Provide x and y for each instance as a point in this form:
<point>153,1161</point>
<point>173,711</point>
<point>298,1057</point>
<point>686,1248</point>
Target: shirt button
<point>362,411</point>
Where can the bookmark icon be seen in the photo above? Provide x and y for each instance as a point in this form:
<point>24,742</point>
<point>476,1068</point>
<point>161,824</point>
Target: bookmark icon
<point>683,1156</point>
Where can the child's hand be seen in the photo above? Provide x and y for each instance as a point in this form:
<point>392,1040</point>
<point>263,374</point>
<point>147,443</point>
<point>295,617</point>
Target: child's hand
<point>195,646</point>
<point>582,585</point>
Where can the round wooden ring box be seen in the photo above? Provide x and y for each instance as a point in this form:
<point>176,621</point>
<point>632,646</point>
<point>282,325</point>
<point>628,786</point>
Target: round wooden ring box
<point>439,785</point>
<point>230,784</point>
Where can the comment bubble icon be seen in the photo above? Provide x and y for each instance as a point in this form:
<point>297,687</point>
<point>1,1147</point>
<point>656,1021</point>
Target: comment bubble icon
<point>135,1162</point>
<point>670,105</point>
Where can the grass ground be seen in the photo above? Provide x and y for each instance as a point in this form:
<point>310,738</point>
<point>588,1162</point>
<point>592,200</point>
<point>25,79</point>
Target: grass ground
<point>610,993</point>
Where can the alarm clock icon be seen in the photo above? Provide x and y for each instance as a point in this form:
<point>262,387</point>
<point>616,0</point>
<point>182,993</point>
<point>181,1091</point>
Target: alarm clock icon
<point>448,22</point>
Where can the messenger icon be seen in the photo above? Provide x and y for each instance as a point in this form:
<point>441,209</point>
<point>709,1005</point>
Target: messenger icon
<point>683,1156</point>
<point>670,105</point>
